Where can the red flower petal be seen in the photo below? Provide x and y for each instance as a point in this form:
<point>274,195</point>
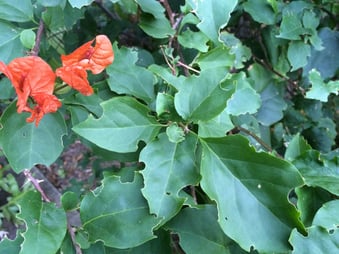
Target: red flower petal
<point>76,77</point>
<point>32,77</point>
<point>45,103</point>
<point>86,57</point>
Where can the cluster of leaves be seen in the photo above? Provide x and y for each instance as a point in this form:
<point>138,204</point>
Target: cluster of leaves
<point>229,109</point>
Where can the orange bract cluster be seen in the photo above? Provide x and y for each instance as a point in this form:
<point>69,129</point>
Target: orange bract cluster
<point>33,78</point>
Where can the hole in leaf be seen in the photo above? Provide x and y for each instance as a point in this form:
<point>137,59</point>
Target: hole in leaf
<point>168,193</point>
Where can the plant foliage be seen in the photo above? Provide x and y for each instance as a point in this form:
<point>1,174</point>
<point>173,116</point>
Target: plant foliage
<point>223,116</point>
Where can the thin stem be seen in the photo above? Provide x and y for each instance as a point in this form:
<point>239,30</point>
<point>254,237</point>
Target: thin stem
<point>35,50</point>
<point>258,139</point>
<point>270,68</point>
<point>36,184</point>
<point>188,67</point>
<point>173,40</point>
<point>168,10</point>
<point>109,13</point>
<point>59,88</point>
<point>74,242</point>
<point>167,62</point>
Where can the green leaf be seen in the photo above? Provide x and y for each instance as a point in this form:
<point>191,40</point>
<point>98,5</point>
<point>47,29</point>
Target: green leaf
<point>317,241</point>
<point>80,3</point>
<point>27,38</point>
<point>309,201</point>
<point>328,216</point>
<point>45,224</point>
<point>10,44</point>
<point>52,3</point>
<point>165,107</point>
<point>194,40</point>
<point>219,57</point>
<point>325,61</point>
<point>69,200</point>
<point>241,52</point>
<point>233,173</point>
<point>25,145</point>
<point>57,18</point>
<point>124,122</point>
<point>161,245</point>
<point>244,92</point>
<point>154,22</point>
<point>90,103</point>
<point>11,246</point>
<point>175,133</point>
<point>319,171</point>
<point>297,146</point>
<point>7,90</point>
<point>125,77</point>
<point>311,22</point>
<point>214,15</point>
<point>216,127</point>
<point>297,54</point>
<point>16,10</point>
<point>198,230</point>
<point>260,11</point>
<point>321,135</point>
<point>201,97</point>
<point>169,168</point>
<point>321,90</point>
<point>272,106</point>
<point>117,214</point>
<point>291,27</point>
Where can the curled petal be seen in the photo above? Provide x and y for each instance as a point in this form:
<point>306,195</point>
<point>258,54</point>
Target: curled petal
<point>86,57</point>
<point>95,58</point>
<point>81,53</point>
<point>45,103</point>
<point>76,77</point>
<point>102,55</point>
<point>31,76</point>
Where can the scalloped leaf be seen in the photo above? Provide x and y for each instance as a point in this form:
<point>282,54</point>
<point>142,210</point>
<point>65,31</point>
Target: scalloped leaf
<point>124,123</point>
<point>117,214</point>
<point>233,173</point>
<point>318,170</point>
<point>214,15</point>
<point>125,77</point>
<point>154,22</point>
<point>328,216</point>
<point>317,241</point>
<point>201,97</point>
<point>243,93</point>
<point>169,168</point>
<point>205,235</point>
<point>321,90</point>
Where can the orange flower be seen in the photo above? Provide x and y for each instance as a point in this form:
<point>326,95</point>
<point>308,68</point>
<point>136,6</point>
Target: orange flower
<point>32,77</point>
<point>86,57</point>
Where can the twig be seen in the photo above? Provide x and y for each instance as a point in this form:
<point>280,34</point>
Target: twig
<point>258,139</point>
<point>173,40</point>
<point>270,68</point>
<point>36,184</point>
<point>112,15</point>
<point>188,67</point>
<point>36,48</point>
<point>168,10</point>
<point>74,242</point>
<point>194,194</point>
<point>167,62</point>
